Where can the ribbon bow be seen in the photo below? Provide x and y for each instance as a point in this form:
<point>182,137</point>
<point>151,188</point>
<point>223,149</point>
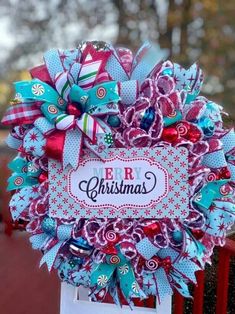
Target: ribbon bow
<point>51,243</point>
<point>103,274</point>
<point>24,174</point>
<point>169,271</point>
<point>101,99</point>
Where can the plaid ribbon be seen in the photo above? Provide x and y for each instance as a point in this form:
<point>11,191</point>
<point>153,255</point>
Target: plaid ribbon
<point>23,113</point>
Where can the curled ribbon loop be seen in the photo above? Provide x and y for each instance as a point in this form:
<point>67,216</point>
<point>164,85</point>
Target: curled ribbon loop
<point>131,77</point>
<point>228,140</point>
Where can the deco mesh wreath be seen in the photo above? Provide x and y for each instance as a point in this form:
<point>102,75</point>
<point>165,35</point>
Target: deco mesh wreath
<point>95,98</point>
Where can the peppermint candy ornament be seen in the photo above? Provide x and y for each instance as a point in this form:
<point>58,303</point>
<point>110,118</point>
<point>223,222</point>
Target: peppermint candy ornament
<point>38,89</point>
<point>86,106</point>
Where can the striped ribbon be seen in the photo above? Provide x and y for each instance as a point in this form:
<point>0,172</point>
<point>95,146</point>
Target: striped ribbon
<point>88,74</point>
<point>89,126</point>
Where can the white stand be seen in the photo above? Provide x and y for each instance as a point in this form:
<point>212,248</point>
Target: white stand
<point>76,301</point>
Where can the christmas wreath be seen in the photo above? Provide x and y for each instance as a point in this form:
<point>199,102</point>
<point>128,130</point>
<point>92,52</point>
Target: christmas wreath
<point>90,100</point>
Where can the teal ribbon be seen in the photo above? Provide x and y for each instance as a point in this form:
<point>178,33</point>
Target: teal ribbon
<point>171,120</point>
<point>191,97</point>
<point>96,98</point>
<point>36,90</point>
<point>104,273</point>
<point>24,174</point>
<point>209,193</point>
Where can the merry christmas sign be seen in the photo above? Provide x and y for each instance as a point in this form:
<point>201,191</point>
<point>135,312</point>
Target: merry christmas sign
<point>138,182</point>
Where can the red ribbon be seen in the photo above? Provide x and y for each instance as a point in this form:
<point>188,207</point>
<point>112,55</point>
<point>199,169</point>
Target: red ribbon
<point>55,145</point>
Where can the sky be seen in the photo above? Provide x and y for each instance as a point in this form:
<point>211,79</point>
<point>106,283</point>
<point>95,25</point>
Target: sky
<point>8,39</point>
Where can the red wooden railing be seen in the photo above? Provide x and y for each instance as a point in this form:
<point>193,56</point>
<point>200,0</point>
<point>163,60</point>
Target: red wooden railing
<point>225,254</point>
<point>223,276</point>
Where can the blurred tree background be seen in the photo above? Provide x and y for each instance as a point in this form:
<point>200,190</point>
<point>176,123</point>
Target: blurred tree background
<point>202,31</point>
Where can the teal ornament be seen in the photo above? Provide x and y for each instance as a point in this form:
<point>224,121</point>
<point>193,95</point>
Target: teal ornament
<point>49,226</point>
<point>148,118</point>
<point>81,242</point>
<point>114,121</point>
<point>167,72</point>
<point>177,236</point>
<point>75,261</point>
<point>207,126</point>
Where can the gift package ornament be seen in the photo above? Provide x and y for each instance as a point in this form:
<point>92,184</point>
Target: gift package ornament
<point>124,172</point>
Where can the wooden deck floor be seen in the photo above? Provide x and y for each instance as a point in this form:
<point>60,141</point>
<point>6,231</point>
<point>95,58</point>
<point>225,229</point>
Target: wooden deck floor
<point>24,288</point>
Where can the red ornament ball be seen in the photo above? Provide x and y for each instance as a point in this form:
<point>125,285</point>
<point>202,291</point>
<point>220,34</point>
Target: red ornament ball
<point>152,230</point>
<point>73,110</point>
<point>43,177</point>
<point>198,234</point>
<point>170,134</point>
